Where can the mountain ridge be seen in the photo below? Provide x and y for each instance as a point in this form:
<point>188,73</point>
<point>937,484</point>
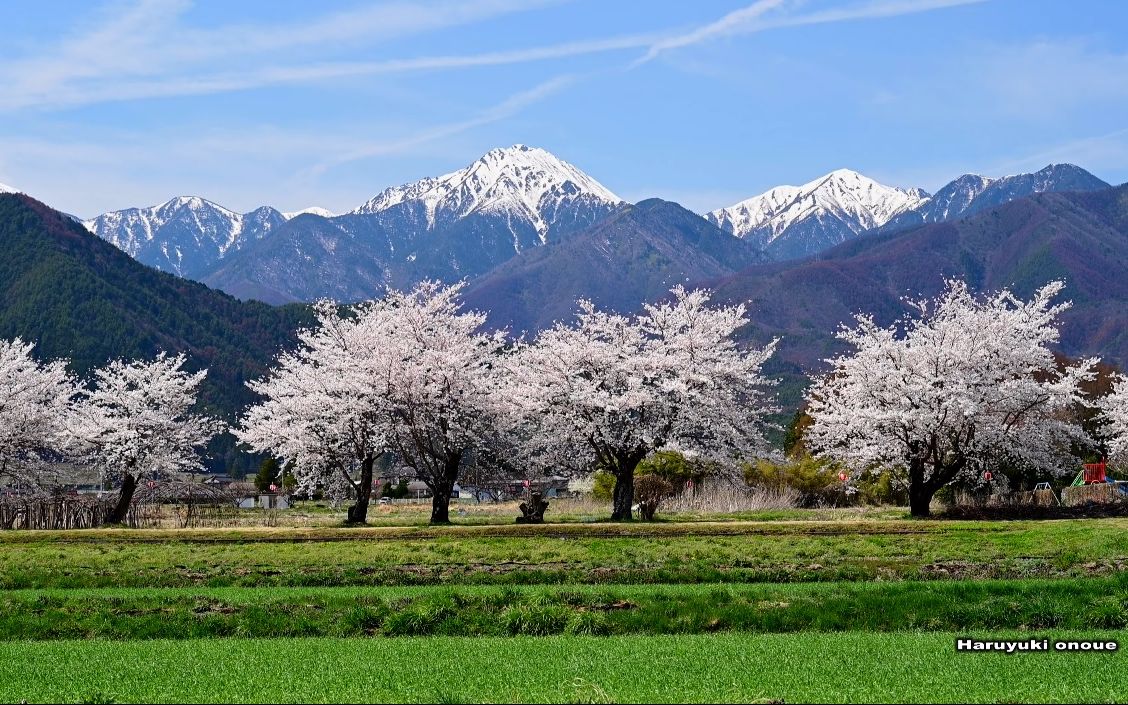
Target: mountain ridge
<point>635,255</point>
<point>457,226</point>
<point>78,297</point>
<point>789,222</point>
<point>970,193</point>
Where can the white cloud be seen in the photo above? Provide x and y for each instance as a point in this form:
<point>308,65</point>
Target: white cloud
<point>734,22</point>
<point>145,50</point>
<point>146,53</point>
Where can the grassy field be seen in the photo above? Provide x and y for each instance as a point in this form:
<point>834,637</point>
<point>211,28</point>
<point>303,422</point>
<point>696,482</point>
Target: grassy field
<point>840,607</point>
<point>310,514</point>
<point>172,613</point>
<point>804,667</point>
<point>735,551</point>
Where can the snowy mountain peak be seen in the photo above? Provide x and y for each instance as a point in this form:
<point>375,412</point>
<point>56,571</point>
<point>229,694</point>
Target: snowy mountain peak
<point>4,188</point>
<point>183,234</point>
<point>852,200</point>
<point>312,210</point>
<point>527,183</point>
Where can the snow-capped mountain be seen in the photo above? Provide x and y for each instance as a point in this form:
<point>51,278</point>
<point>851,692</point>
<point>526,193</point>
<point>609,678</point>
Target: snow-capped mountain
<point>525,185</point>
<point>450,227</point>
<point>447,227</point>
<point>972,193</point>
<point>312,210</point>
<point>4,188</point>
<point>796,221</point>
<point>186,235</point>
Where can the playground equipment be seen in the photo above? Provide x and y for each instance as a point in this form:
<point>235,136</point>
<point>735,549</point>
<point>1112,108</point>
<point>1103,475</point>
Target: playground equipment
<point>1092,484</point>
<point>1091,474</point>
<point>1043,494</point>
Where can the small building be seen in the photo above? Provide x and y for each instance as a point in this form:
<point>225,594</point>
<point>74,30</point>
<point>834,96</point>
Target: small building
<point>250,497</point>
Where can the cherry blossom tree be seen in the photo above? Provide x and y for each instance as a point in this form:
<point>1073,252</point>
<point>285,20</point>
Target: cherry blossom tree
<point>442,388</point>
<point>937,396</point>
<point>609,391</point>
<point>323,407</point>
<point>35,403</point>
<point>137,419</point>
<point>1114,415</point>
<point>409,374</point>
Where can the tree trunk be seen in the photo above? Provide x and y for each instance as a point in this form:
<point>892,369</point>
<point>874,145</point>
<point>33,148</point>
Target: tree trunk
<point>920,492</point>
<point>443,488</point>
<point>623,496</point>
<point>358,513</point>
<point>440,505</point>
<point>920,496</point>
<point>121,509</point>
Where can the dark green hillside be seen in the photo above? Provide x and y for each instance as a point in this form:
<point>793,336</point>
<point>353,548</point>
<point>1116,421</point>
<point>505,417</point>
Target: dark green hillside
<point>81,298</point>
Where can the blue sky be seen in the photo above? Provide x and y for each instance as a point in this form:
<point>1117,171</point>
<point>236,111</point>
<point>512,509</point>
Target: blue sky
<point>292,104</point>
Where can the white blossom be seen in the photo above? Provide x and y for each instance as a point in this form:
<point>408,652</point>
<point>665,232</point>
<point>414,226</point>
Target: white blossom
<point>138,418</point>
<point>441,385</point>
<point>1114,414</point>
<point>35,403</point>
<point>968,381</point>
<point>319,409</point>
<point>409,374</point>
<point>607,392</point>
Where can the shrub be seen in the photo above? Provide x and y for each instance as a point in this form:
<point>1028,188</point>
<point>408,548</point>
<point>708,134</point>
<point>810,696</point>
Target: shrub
<point>587,624</point>
<point>880,488</point>
<point>675,468</point>
<point>535,620</point>
<point>603,486</point>
<point>650,490</point>
<point>815,480</point>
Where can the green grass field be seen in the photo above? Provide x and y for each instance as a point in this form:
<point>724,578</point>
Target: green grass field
<point>850,609</point>
<point>785,551</point>
<point>183,613</point>
<point>804,667</point>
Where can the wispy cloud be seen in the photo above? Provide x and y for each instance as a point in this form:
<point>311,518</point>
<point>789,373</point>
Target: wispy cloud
<point>144,50</point>
<point>734,22</point>
<point>1108,151</point>
<point>760,17</point>
<point>505,109</point>
<point>132,56</point>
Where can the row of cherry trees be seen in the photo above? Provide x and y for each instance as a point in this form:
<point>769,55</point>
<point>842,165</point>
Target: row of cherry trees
<point>132,418</point>
<point>413,375</point>
<point>965,382</point>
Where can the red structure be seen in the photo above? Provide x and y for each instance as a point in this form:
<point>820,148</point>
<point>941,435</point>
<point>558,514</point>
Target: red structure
<point>1093,473</point>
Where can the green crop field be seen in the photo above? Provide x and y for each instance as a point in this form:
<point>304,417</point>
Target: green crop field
<point>848,609</point>
<point>804,667</point>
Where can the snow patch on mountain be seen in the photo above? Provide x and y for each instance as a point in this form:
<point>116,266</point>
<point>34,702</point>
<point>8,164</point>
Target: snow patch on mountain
<point>132,228</point>
<point>955,198</point>
<point>312,210</point>
<point>182,235</point>
<point>4,188</point>
<point>523,183</point>
<point>972,193</point>
<point>858,202</point>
